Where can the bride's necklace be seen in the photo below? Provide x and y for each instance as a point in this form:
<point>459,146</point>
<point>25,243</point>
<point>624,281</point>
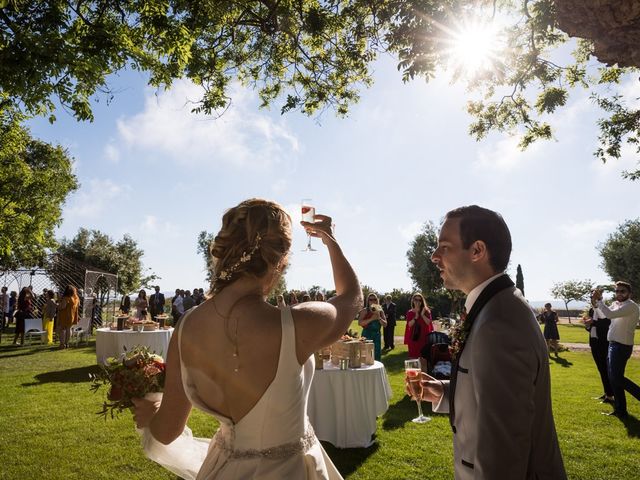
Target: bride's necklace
<point>233,339</point>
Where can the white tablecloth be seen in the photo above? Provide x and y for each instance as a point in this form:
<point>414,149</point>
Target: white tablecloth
<point>344,404</point>
<point>111,343</point>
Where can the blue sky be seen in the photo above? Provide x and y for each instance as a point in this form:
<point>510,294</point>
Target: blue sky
<point>150,168</point>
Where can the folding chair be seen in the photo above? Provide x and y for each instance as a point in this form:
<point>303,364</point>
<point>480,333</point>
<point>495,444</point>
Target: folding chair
<point>80,331</point>
<point>33,329</point>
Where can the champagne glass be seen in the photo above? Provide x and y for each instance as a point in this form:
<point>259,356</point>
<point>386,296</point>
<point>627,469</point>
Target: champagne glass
<point>308,215</point>
<point>413,370</point>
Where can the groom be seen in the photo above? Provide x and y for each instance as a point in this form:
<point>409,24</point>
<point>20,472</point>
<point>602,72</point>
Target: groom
<point>498,399</point>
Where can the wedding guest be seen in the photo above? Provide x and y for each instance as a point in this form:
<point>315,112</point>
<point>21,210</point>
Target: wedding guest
<point>371,318</point>
<point>197,298</point>
<point>499,396</point>
<point>319,296</point>
<point>13,301</point>
<point>142,305</point>
<point>156,303</point>
<point>549,318</point>
<point>419,325</point>
<point>389,309</point>
<point>96,315</point>
<point>125,304</point>
<point>49,315</point>
<point>280,301</point>
<point>236,349</point>
<point>24,310</point>
<point>4,308</point>
<point>40,302</point>
<point>293,299</point>
<point>598,327</point>
<point>188,302</point>
<point>624,314</point>
<point>177,309</point>
<point>67,315</point>
<point>306,298</point>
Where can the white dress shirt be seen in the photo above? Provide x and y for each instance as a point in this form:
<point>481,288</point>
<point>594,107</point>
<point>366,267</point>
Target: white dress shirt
<point>477,290</point>
<point>624,318</point>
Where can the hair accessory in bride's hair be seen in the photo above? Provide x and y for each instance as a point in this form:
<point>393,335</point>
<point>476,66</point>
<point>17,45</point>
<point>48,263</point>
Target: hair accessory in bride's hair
<point>244,258</point>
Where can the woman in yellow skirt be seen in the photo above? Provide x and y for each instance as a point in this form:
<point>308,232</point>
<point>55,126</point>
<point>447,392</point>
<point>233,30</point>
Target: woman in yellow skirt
<point>48,315</point>
<point>67,314</point>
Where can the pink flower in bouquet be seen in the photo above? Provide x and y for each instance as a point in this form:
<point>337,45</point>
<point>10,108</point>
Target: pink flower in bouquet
<point>137,373</point>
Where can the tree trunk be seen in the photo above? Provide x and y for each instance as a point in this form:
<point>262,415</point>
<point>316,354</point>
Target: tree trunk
<point>566,306</point>
<point>612,25</point>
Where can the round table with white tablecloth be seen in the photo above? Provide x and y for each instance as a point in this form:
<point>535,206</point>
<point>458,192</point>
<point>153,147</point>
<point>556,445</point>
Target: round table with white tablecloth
<point>344,404</point>
<point>112,343</point>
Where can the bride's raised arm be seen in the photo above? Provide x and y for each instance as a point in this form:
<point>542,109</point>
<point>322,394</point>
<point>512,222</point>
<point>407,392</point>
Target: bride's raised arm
<point>319,324</point>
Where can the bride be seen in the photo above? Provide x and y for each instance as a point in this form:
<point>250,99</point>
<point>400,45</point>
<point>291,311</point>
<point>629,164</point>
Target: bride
<point>247,363</point>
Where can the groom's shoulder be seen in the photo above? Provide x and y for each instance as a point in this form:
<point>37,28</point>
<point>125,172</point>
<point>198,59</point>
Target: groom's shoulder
<point>509,303</point>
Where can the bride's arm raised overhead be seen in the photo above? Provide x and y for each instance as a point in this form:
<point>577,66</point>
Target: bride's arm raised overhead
<point>319,324</point>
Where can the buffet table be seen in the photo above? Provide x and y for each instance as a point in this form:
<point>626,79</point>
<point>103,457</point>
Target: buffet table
<point>344,404</point>
<point>112,343</point>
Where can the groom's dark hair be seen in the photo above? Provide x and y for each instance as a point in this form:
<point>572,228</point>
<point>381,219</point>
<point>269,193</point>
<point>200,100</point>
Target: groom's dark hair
<point>477,223</point>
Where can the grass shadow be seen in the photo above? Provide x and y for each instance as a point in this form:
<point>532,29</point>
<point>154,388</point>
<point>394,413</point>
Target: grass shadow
<point>403,411</point>
<point>632,424</point>
<point>72,375</point>
<point>563,362</point>
<point>394,361</point>
<point>348,460</point>
<point>22,350</point>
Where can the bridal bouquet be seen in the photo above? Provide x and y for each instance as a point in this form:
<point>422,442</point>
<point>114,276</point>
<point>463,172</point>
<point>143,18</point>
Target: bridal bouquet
<point>374,307</point>
<point>135,374</point>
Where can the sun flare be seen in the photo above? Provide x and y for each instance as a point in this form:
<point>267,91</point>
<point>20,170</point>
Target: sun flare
<point>474,47</point>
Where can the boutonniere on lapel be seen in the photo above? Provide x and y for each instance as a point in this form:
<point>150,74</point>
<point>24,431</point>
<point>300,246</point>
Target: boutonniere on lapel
<point>459,334</point>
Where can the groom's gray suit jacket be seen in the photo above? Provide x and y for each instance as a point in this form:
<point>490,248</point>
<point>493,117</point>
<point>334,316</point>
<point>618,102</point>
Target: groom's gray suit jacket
<point>503,424</point>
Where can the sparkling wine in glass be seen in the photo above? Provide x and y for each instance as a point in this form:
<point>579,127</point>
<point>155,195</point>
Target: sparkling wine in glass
<point>308,215</point>
<point>413,370</point>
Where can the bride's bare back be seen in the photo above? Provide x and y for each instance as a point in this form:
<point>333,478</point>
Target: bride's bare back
<point>208,347</point>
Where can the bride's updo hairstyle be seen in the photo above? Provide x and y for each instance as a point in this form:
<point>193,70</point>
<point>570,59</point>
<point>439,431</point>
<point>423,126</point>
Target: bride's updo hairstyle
<point>255,236</point>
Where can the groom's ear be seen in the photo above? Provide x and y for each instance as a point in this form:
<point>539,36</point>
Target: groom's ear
<point>479,251</point>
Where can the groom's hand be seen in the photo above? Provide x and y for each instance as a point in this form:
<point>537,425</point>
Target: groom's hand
<point>432,389</point>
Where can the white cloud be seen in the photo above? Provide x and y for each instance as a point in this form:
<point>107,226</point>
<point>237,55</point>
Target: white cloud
<point>410,231</point>
<point>631,92</point>
<point>587,230</point>
<point>505,155</point>
<point>279,186</point>
<point>152,225</point>
<point>111,153</point>
<point>240,137</point>
<point>628,161</point>
<point>94,199</point>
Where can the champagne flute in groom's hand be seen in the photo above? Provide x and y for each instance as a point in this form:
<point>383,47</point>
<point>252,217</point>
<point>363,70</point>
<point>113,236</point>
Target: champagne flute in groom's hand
<point>413,372</point>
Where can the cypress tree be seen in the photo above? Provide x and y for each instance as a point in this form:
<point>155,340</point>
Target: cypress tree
<point>520,280</point>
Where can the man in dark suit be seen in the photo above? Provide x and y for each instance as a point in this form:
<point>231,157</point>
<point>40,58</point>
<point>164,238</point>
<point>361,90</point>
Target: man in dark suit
<point>499,396</point>
<point>156,303</point>
<point>389,309</point>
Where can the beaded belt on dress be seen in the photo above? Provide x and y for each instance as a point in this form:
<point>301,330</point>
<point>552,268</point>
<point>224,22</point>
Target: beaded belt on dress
<point>278,452</point>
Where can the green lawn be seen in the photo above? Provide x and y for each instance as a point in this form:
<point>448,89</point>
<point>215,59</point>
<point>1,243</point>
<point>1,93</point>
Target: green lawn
<point>48,428</point>
<point>575,333</point>
<point>569,333</point>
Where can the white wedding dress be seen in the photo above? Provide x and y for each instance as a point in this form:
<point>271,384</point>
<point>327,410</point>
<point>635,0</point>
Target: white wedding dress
<point>274,441</point>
